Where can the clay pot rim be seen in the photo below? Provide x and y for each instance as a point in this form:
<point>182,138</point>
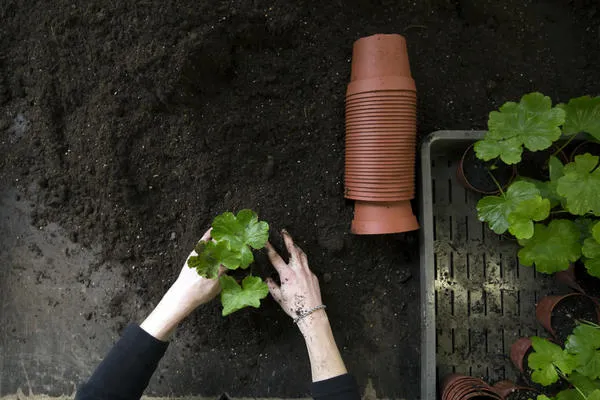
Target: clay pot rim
<point>360,134</point>
<point>380,192</point>
<point>379,114</point>
<point>379,105</point>
<point>547,324</point>
<point>379,199</point>
<point>380,84</point>
<point>377,165</point>
<point>463,178</point>
<point>383,190</point>
<point>381,95</point>
<point>390,217</point>
<point>381,125</point>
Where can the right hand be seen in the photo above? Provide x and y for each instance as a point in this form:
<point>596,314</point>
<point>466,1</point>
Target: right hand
<point>299,290</point>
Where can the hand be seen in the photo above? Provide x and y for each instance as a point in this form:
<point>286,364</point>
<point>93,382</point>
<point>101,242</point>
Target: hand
<point>299,290</point>
<point>189,291</point>
<point>193,289</point>
<point>298,293</point>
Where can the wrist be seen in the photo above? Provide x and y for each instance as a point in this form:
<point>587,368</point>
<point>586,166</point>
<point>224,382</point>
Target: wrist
<point>314,324</point>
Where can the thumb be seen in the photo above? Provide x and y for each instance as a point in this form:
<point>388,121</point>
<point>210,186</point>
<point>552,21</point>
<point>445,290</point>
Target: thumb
<point>274,289</point>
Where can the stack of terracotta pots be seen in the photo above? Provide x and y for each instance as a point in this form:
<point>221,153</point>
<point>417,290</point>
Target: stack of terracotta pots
<point>381,111</point>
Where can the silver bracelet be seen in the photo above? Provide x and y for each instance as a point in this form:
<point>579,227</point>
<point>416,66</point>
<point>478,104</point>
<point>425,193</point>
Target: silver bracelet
<point>305,314</point>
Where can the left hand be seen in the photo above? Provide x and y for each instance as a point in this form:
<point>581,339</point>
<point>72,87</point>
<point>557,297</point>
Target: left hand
<point>193,289</point>
<point>189,291</point>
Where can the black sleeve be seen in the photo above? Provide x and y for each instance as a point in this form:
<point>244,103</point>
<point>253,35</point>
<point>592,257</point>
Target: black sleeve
<point>126,370</point>
<point>341,387</point>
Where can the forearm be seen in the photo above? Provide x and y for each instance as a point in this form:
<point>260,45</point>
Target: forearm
<point>127,369</point>
<point>169,312</point>
<point>325,359</point>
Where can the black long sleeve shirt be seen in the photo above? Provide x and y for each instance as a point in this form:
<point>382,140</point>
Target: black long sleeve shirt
<point>125,372</point>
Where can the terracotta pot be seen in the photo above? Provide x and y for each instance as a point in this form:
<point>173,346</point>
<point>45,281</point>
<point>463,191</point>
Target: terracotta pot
<point>390,126</point>
<point>518,350</point>
<point>586,147</point>
<point>359,163</point>
<point>392,117</point>
<point>377,199</point>
<point>392,136</point>
<point>379,106</point>
<point>460,175</point>
<point>382,189</point>
<point>349,181</point>
<point>546,305</point>
<point>382,217</point>
<point>403,95</point>
<point>379,142</point>
<point>568,278</point>
<point>460,387</point>
<point>399,156</point>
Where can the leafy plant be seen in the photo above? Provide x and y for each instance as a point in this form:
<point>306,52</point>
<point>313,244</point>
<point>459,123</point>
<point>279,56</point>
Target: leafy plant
<point>234,237</point>
<point>528,208</point>
<point>578,363</point>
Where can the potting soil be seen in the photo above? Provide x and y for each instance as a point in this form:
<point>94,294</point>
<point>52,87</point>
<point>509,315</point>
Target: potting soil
<point>568,311</point>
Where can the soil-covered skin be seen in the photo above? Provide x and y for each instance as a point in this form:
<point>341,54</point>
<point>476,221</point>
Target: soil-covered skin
<point>589,284</point>
<point>534,164</point>
<point>547,390</point>
<point>568,311</point>
<point>134,124</point>
<point>477,173</point>
<point>587,147</point>
<point>522,394</point>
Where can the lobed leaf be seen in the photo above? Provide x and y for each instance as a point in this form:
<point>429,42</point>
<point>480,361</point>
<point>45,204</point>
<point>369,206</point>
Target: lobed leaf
<point>514,210</point>
<point>551,248</point>
<point>243,232</point>
<point>532,123</point>
<point>580,185</point>
<point>582,115</point>
<point>547,360</point>
<point>235,297</point>
<point>211,255</point>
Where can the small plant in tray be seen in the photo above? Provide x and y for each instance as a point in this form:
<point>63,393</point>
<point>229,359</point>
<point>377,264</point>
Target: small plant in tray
<point>578,363</point>
<point>552,210</point>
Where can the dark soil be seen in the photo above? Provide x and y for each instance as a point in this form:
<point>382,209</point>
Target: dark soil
<point>522,394</point>
<point>568,311</point>
<point>548,390</point>
<point>589,284</point>
<point>586,147</point>
<point>477,173</point>
<point>534,164</point>
<point>135,124</point>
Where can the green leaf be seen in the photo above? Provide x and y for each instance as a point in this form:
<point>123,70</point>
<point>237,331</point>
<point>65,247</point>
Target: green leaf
<point>580,185</point>
<point>508,150</point>
<point>211,256</point>
<point>584,345</point>
<point>515,210</point>
<point>595,395</point>
<point>546,359</point>
<point>235,297</point>
<point>547,190</point>
<point>583,383</point>
<point>569,394</point>
<point>243,232</point>
<point>582,115</point>
<point>591,252</point>
<point>556,168</point>
<point>532,123</point>
<point>552,248</point>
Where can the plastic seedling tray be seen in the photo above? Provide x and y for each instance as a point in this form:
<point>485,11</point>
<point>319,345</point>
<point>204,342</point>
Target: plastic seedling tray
<point>476,299</point>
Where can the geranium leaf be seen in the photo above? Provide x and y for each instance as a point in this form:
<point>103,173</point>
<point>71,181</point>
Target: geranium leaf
<point>235,297</point>
<point>580,185</point>
<point>569,394</point>
<point>243,232</point>
<point>546,359</point>
<point>211,255</point>
<point>515,210</point>
<point>532,123</point>
<point>551,248</point>
<point>582,115</point>
<point>508,150</point>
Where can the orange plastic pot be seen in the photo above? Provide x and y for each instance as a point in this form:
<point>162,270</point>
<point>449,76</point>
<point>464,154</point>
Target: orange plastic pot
<point>544,308</point>
<point>382,94</point>
<point>382,217</point>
